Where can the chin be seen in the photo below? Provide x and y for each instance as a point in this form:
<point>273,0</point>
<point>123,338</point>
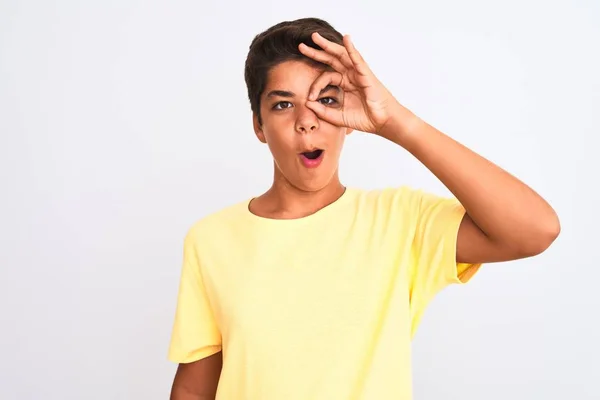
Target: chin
<point>314,184</point>
<point>308,179</point>
<point>310,187</point>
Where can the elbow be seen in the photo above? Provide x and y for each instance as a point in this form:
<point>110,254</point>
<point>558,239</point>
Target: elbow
<point>542,239</point>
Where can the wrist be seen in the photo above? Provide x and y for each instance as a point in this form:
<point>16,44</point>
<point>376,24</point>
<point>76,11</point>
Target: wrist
<point>402,126</point>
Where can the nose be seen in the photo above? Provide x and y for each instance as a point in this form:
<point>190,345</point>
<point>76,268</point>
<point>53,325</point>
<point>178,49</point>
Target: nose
<point>307,121</point>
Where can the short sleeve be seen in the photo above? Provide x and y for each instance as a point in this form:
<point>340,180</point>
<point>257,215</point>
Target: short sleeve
<point>195,332</point>
<point>433,260</point>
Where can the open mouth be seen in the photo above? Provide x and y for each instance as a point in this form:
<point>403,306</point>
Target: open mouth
<point>313,155</point>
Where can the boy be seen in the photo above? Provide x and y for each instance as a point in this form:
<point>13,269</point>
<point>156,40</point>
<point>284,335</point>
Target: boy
<point>313,290</point>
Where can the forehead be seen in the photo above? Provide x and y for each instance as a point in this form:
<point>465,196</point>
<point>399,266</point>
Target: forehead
<point>295,76</point>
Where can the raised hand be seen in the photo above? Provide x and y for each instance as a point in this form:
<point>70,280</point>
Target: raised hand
<point>367,104</point>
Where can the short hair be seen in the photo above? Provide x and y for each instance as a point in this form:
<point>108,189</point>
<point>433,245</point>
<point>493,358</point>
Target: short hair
<point>278,44</point>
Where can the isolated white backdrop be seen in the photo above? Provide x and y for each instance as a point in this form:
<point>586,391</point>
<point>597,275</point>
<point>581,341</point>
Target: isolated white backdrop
<point>123,122</point>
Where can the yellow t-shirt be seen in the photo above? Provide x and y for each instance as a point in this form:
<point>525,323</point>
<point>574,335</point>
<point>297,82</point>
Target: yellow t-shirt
<point>318,308</point>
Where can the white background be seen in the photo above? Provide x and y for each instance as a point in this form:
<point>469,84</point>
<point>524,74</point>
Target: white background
<point>123,122</point>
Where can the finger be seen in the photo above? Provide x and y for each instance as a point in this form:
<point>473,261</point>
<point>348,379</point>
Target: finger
<point>332,115</point>
<point>321,56</point>
<point>360,65</point>
<point>333,48</point>
<point>326,79</point>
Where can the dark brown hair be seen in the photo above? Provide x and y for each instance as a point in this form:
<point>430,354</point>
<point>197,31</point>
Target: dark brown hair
<point>277,44</point>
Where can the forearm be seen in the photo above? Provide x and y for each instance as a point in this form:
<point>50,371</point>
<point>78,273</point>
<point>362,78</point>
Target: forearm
<point>197,380</point>
<point>504,208</point>
<point>178,393</point>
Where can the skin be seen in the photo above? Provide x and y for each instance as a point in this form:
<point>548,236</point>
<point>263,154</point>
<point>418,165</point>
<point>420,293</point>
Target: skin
<point>197,380</point>
<point>304,107</point>
<point>289,127</point>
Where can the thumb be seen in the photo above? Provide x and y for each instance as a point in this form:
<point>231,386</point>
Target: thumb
<point>331,115</point>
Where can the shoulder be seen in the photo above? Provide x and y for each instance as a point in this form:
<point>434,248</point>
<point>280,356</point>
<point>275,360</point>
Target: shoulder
<point>406,207</point>
<point>398,198</point>
<point>213,224</point>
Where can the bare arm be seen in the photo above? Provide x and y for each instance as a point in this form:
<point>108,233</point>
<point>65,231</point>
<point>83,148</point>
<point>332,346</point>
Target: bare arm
<point>197,380</point>
<point>505,218</point>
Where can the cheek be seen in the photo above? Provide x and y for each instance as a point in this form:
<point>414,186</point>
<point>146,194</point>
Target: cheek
<point>339,140</point>
<point>280,141</point>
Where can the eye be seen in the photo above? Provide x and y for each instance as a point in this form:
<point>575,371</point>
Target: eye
<point>328,101</point>
<point>282,105</point>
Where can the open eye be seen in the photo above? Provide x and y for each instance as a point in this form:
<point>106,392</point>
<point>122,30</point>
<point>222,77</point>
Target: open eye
<point>282,105</point>
<point>328,101</point>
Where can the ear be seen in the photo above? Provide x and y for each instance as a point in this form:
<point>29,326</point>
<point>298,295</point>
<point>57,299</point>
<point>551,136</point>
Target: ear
<point>258,129</point>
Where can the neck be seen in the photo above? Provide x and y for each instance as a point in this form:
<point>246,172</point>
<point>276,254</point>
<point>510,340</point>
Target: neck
<point>285,201</point>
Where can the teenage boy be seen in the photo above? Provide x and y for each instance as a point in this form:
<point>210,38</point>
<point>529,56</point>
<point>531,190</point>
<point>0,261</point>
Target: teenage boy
<point>314,290</point>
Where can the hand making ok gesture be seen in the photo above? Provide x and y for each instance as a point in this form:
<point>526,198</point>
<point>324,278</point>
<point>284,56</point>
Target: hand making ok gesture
<point>367,105</point>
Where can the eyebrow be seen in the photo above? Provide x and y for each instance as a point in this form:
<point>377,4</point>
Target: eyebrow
<point>286,93</point>
<point>280,93</point>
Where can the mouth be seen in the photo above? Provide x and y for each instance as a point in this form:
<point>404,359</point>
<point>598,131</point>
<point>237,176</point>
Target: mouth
<point>313,155</point>
<point>312,159</point>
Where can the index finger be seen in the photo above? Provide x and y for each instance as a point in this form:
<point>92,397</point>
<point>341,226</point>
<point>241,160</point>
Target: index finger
<point>327,80</point>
